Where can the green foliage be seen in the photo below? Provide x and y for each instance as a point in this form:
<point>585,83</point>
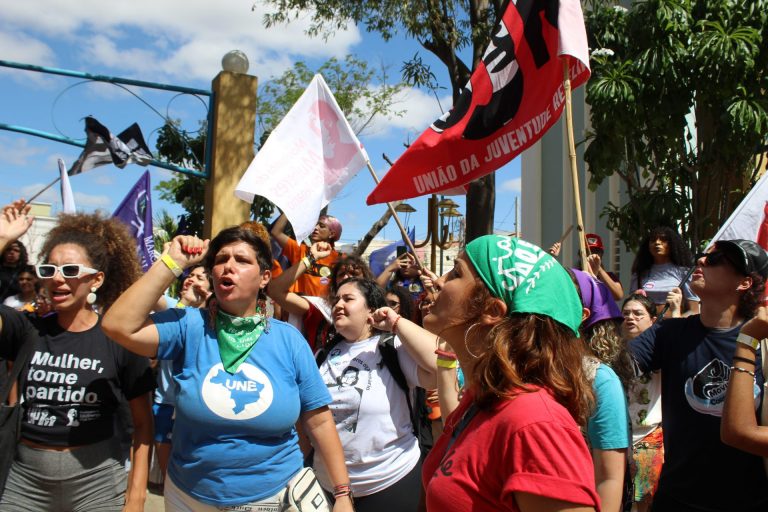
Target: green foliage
<point>361,92</point>
<point>176,147</point>
<point>678,109</point>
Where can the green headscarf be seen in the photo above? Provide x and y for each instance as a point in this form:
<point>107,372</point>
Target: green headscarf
<point>237,336</point>
<point>526,278</point>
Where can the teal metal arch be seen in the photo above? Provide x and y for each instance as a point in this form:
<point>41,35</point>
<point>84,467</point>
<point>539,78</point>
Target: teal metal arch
<point>115,80</point>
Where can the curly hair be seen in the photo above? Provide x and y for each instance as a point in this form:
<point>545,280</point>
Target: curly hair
<point>353,261</point>
<point>258,229</point>
<point>107,243</point>
<point>752,297</point>
<point>604,341</point>
<point>679,254</point>
<point>524,350</point>
<point>23,256</point>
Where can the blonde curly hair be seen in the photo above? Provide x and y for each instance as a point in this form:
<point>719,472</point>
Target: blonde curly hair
<point>108,245</point>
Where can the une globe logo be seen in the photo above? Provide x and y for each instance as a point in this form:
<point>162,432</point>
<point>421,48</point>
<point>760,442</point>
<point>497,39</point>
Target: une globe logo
<point>242,396</point>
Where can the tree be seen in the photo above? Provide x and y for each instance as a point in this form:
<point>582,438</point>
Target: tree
<point>445,28</point>
<point>678,109</point>
<point>361,92</point>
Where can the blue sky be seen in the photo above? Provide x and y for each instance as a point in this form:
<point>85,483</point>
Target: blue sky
<point>180,42</point>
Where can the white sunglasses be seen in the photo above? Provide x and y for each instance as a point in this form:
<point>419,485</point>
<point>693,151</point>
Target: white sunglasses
<point>70,270</point>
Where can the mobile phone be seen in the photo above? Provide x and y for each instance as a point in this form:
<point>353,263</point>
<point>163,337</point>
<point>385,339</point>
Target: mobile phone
<point>401,249</point>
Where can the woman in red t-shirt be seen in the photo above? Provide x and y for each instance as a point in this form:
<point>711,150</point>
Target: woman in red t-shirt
<point>511,314</point>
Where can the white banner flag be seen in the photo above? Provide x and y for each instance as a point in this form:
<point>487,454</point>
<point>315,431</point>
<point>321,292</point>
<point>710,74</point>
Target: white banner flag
<point>67,198</point>
<point>307,159</point>
<point>748,221</point>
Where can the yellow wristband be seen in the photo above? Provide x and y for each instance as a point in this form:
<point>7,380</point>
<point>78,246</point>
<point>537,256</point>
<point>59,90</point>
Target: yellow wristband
<point>172,265</point>
<point>444,363</point>
<point>305,261</point>
<point>746,339</point>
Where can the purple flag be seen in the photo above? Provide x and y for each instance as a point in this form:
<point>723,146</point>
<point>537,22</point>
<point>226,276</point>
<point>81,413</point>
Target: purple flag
<point>136,212</point>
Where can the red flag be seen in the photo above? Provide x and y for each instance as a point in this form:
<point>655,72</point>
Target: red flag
<point>514,96</point>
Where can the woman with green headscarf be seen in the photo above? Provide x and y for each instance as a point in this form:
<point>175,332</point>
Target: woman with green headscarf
<point>511,314</point>
<point>243,381</point>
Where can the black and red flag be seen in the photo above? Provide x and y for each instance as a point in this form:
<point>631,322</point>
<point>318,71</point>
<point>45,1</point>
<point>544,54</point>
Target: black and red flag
<point>513,97</point>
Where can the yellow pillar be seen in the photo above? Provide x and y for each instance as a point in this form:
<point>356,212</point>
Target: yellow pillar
<point>234,122</point>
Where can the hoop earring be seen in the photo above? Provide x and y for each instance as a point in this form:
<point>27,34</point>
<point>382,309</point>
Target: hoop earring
<point>466,335</point>
<point>91,297</point>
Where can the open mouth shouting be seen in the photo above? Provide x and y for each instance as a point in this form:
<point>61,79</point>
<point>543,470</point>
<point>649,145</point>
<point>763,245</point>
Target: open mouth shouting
<point>225,284</point>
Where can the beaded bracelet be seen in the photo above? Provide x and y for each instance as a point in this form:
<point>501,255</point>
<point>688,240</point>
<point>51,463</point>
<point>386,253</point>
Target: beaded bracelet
<point>394,324</point>
<point>743,370</point>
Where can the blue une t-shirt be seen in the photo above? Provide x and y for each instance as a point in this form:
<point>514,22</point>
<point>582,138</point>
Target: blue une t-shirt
<point>234,440</point>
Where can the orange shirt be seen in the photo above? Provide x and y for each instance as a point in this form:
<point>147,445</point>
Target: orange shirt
<point>316,280</point>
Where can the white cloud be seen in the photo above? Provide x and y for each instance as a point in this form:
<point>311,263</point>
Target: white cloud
<point>103,179</point>
<point>17,151</point>
<point>92,200</point>
<point>513,185</point>
<point>419,109</point>
<point>20,47</point>
<point>53,196</point>
<point>135,36</point>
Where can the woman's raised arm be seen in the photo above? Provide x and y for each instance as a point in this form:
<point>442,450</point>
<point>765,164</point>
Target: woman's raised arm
<point>127,320</point>
<point>277,289</point>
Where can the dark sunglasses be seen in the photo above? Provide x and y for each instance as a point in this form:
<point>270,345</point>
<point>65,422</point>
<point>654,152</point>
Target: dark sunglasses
<point>715,258</point>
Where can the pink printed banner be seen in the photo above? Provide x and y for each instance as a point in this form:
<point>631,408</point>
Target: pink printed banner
<point>514,96</point>
<point>307,159</point>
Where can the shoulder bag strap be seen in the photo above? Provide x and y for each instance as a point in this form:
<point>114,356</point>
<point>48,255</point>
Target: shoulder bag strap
<point>469,414</point>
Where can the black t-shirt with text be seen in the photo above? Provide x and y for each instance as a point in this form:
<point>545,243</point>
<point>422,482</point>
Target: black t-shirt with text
<point>72,383</point>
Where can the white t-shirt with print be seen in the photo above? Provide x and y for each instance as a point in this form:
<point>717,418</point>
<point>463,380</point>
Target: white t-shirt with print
<point>371,415</point>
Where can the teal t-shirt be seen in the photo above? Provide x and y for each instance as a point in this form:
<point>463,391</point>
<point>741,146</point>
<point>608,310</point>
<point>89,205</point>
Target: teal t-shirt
<point>609,428</point>
<point>234,440</point>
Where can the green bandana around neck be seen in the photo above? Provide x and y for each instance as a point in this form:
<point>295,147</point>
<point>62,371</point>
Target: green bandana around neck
<point>526,278</point>
<point>237,336</point>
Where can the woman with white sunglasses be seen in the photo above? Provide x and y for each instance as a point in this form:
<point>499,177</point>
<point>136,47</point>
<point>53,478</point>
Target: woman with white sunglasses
<point>74,377</point>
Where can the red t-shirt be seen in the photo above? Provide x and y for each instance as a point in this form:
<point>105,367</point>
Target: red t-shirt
<point>527,444</point>
<point>316,328</point>
<point>313,281</point>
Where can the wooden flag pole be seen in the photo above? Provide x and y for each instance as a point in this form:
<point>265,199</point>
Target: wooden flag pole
<point>574,167</point>
<point>403,231</point>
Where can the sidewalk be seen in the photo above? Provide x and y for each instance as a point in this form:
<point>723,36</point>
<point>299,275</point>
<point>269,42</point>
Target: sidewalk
<point>154,502</point>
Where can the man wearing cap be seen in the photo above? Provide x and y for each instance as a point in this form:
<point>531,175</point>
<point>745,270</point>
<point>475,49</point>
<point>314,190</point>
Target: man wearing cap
<point>316,280</point>
<point>694,354</point>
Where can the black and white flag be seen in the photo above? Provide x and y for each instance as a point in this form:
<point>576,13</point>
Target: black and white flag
<point>103,148</point>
